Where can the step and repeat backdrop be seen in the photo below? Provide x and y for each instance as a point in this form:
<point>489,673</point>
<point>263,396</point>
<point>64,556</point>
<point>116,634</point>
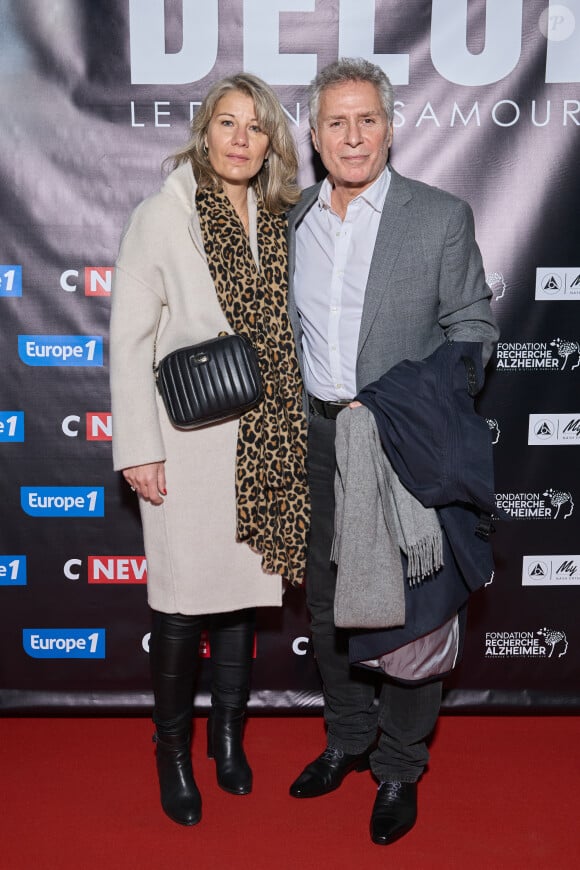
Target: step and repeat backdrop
<point>94,94</point>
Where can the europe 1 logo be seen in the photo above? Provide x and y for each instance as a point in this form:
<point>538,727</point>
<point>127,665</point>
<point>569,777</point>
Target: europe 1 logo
<point>11,426</point>
<point>61,350</point>
<point>63,501</point>
<point>13,570</point>
<point>10,281</point>
<point>64,643</point>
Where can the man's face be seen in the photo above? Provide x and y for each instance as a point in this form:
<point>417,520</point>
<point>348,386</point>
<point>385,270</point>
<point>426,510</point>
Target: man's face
<point>353,136</point>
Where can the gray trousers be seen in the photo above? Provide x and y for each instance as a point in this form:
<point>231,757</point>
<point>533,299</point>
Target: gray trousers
<point>405,715</point>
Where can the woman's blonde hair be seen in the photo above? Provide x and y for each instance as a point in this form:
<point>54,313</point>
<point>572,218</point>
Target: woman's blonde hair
<point>275,183</point>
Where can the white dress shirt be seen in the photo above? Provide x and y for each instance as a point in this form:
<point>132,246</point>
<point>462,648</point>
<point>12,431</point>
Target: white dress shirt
<point>333,259</point>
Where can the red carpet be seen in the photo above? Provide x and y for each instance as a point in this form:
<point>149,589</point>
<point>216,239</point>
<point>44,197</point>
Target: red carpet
<point>501,793</point>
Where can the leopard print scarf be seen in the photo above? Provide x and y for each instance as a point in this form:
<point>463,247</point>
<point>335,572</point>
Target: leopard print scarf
<point>271,487</point>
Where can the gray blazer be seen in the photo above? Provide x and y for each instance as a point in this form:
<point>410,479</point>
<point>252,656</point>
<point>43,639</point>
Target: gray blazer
<point>426,280</point>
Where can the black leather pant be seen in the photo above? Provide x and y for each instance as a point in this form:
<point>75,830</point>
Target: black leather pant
<point>174,656</point>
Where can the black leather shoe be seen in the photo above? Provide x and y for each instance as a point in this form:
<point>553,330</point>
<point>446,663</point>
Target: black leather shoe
<point>326,772</point>
<point>394,812</point>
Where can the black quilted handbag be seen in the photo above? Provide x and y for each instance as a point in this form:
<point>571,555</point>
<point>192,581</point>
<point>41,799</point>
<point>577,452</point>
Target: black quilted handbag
<point>210,381</point>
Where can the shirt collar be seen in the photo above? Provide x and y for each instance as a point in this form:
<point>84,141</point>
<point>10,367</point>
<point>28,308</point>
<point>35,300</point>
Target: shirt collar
<point>374,195</point>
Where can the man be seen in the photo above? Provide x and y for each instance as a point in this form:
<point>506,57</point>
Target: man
<point>382,268</point>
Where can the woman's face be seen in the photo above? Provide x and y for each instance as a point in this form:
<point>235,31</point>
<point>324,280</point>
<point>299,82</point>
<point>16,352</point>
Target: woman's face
<point>236,145</point>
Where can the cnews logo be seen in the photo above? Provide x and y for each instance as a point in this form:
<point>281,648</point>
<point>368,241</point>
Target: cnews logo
<point>97,280</point>
<point>11,426</point>
<point>117,569</point>
<point>61,350</point>
<point>10,281</point>
<point>109,569</point>
<point>64,643</point>
<point>12,570</point>
<point>97,426</point>
<point>62,501</point>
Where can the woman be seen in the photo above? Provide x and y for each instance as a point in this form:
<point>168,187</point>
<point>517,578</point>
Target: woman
<point>224,507</point>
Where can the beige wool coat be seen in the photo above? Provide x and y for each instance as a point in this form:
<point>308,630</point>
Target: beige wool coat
<point>163,294</point>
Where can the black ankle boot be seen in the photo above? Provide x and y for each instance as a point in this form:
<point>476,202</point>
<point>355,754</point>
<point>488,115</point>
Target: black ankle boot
<point>224,743</point>
<point>180,797</point>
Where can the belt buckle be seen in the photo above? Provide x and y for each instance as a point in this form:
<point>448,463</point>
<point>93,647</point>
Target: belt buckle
<point>327,409</point>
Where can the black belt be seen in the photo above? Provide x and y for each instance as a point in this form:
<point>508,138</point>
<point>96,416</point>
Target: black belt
<point>330,410</point>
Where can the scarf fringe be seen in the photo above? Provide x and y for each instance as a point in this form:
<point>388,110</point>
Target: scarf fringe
<point>425,557</point>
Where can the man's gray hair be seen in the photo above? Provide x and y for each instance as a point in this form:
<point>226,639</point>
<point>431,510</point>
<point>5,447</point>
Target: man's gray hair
<point>350,69</point>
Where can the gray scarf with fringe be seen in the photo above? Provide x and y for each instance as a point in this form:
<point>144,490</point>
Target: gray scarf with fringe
<point>376,518</point>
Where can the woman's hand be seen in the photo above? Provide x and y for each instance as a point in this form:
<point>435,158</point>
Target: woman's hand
<point>148,481</point>
<point>355,405</point>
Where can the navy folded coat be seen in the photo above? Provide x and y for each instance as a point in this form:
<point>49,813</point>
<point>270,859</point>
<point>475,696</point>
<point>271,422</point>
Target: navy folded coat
<point>441,449</point>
